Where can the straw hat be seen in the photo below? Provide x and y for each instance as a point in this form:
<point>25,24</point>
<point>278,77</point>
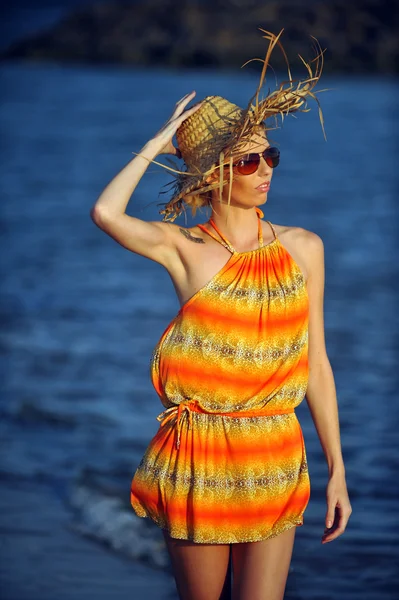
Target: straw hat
<point>208,137</point>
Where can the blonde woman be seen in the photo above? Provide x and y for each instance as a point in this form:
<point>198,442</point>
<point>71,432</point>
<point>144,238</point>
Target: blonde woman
<point>227,469</point>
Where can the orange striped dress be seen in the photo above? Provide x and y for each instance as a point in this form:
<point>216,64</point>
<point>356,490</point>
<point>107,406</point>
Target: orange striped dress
<point>228,462</point>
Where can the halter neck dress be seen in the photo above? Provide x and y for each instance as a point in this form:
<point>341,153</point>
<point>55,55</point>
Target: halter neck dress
<point>228,462</point>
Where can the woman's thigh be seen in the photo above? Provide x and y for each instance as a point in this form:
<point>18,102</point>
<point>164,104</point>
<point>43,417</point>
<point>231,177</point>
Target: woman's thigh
<point>199,569</point>
<point>260,569</point>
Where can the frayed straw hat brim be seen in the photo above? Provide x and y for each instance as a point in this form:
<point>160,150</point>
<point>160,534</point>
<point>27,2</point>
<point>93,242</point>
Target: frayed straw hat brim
<point>209,136</point>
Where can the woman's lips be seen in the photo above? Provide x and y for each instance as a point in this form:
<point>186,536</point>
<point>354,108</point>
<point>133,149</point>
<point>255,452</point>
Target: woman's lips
<point>264,187</point>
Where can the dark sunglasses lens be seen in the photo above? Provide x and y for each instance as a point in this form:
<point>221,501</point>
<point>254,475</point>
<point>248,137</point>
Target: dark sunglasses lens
<point>272,156</point>
<point>249,165</point>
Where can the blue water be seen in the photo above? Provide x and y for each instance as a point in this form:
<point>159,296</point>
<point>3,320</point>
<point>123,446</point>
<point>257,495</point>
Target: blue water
<point>80,314</point>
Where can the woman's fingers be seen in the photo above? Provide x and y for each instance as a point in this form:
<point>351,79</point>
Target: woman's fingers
<point>186,96</point>
<point>181,104</point>
<point>187,113</point>
<point>339,508</point>
<point>165,134</point>
<point>338,527</point>
<point>180,114</point>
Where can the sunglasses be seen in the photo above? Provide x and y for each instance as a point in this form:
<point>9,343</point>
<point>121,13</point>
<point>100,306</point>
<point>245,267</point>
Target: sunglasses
<point>250,164</point>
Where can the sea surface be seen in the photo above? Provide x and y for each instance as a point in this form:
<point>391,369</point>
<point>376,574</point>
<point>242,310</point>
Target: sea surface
<point>80,316</point>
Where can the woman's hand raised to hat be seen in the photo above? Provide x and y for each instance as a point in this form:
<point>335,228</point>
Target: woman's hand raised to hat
<point>164,137</point>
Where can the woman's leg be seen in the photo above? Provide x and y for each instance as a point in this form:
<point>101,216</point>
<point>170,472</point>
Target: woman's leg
<point>199,569</point>
<point>260,569</point>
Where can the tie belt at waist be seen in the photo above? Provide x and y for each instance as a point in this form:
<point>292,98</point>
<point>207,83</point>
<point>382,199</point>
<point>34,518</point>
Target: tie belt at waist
<point>187,407</point>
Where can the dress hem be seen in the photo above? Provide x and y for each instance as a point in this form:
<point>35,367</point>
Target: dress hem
<point>288,524</point>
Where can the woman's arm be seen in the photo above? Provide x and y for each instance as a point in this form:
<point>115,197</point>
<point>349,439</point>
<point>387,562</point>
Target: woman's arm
<point>152,239</point>
<point>114,199</point>
<point>321,392</point>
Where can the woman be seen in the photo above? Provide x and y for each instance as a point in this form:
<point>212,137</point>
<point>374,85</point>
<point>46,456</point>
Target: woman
<point>228,464</point>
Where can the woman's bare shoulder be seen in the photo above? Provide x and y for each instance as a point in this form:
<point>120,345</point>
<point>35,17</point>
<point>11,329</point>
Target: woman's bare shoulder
<point>299,235</point>
<point>304,245</point>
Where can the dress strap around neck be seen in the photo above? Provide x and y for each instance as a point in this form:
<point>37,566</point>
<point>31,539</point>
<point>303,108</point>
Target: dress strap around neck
<point>274,231</point>
<point>260,231</point>
<point>223,241</point>
<point>259,212</point>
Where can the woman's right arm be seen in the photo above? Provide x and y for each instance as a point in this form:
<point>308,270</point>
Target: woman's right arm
<point>152,239</point>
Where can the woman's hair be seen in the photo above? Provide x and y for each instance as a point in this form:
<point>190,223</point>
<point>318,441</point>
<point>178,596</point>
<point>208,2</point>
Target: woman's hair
<point>199,201</point>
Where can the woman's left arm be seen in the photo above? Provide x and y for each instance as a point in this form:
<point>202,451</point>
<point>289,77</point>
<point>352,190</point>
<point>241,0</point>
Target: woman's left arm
<point>321,394</point>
